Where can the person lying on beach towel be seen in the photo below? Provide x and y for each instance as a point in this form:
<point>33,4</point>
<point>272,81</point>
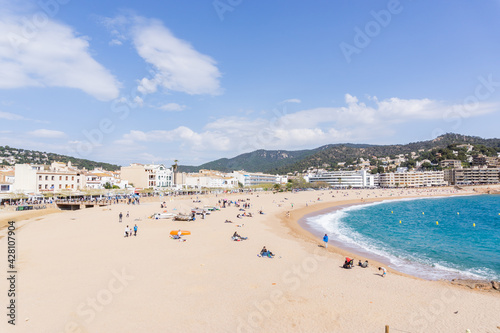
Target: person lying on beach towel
<point>227,221</point>
<point>265,253</point>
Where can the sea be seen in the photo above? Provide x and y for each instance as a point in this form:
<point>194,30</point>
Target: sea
<point>431,238</point>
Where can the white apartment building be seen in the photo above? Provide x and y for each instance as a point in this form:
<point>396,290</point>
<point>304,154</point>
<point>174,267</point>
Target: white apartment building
<point>98,178</point>
<point>412,179</point>
<point>35,178</point>
<point>210,179</point>
<point>255,178</point>
<point>356,179</point>
<point>147,175</point>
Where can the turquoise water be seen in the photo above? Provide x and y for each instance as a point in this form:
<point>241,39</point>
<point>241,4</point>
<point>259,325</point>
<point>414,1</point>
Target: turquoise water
<point>451,248</point>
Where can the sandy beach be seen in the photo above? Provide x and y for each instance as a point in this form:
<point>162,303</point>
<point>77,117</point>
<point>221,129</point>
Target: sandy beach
<point>77,273</point>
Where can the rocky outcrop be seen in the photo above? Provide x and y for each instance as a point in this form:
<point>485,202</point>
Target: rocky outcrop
<point>478,284</point>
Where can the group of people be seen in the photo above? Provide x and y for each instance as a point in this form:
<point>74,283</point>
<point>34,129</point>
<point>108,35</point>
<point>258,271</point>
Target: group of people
<point>128,232</point>
<point>349,263</point>
<point>120,216</point>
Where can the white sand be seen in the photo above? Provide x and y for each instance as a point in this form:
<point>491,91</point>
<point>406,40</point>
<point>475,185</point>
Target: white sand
<point>77,273</point>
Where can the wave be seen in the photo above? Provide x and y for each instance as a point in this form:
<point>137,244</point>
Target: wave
<point>409,263</point>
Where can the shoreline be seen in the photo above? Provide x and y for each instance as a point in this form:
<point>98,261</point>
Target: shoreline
<point>308,232</point>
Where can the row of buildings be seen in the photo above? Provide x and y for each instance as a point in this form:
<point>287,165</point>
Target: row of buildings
<point>37,179</point>
<point>405,178</point>
<point>61,178</point>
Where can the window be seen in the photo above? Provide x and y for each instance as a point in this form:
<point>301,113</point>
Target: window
<point>73,178</point>
<point>52,177</point>
<point>46,186</point>
<point>39,177</point>
<point>46,177</point>
<point>60,177</point>
<point>60,185</point>
<point>66,177</point>
<point>40,187</point>
<point>72,186</point>
<point>78,180</point>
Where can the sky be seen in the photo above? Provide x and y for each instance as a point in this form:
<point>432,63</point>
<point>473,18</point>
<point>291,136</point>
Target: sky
<point>156,81</point>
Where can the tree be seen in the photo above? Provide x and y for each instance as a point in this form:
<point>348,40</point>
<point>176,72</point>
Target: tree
<point>108,186</point>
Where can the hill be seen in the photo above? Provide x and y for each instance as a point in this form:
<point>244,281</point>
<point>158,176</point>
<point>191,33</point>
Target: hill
<point>283,161</point>
<point>10,156</point>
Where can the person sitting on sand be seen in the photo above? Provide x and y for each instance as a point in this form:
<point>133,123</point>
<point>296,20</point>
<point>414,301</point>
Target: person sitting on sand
<point>348,263</point>
<point>384,271</point>
<point>237,237</point>
<point>265,253</point>
<point>178,236</point>
<point>127,231</point>
<point>364,264</point>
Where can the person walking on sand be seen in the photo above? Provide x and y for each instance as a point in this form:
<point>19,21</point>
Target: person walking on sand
<point>120,217</point>
<point>127,214</point>
<point>127,231</point>
<point>384,271</point>
<point>325,239</point>
<point>135,230</point>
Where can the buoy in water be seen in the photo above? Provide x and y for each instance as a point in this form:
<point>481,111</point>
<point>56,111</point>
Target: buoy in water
<point>399,221</point>
<point>474,225</point>
<point>458,213</point>
<point>392,212</point>
<point>423,213</point>
<point>437,223</point>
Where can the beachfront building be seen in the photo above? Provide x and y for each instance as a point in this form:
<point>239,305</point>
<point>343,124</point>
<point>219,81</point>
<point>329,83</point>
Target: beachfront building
<point>39,178</point>
<point>482,160</point>
<point>355,179</point>
<point>472,176</point>
<point>450,164</point>
<point>147,175</point>
<point>99,178</point>
<point>255,178</point>
<point>210,179</point>
<point>412,179</point>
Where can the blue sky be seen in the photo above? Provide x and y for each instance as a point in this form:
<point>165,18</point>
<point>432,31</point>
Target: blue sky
<point>151,81</point>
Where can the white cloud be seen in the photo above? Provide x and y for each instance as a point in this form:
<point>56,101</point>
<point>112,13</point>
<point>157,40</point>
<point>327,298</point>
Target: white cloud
<point>52,55</point>
<point>172,107</point>
<point>13,116</point>
<point>177,65</point>
<point>47,134</point>
<point>138,100</point>
<point>10,116</point>
<point>356,122</point>
<point>291,100</point>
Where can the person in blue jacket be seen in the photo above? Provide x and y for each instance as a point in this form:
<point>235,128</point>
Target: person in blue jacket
<point>325,239</point>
